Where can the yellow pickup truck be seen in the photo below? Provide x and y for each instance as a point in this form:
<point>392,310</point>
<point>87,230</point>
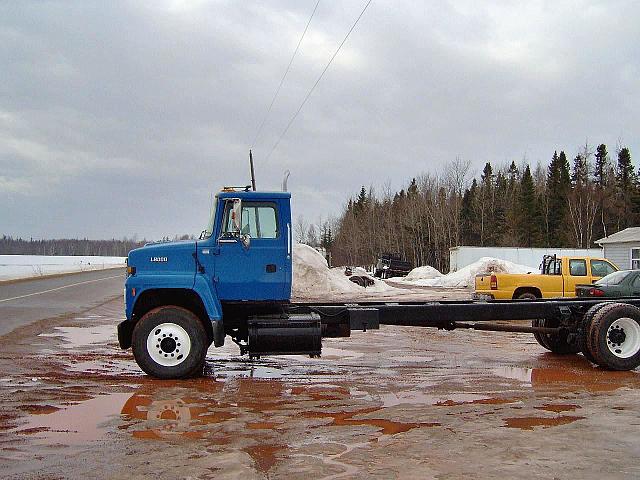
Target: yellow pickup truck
<point>558,278</point>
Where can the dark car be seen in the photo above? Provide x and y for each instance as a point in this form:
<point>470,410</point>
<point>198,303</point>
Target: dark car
<point>625,283</point>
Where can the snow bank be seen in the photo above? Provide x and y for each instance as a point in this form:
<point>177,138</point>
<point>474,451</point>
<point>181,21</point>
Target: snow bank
<point>26,266</point>
<point>423,273</point>
<point>465,277</point>
<point>312,276</point>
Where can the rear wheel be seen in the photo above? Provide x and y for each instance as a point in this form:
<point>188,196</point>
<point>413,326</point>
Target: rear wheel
<point>583,331</point>
<point>613,336</point>
<point>556,343</point>
<point>539,336</point>
<point>170,342</point>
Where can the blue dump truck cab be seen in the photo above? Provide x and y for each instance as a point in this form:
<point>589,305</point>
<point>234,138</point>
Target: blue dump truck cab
<point>181,294</point>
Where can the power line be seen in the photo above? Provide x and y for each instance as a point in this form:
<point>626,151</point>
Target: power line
<point>273,100</point>
<point>317,82</point>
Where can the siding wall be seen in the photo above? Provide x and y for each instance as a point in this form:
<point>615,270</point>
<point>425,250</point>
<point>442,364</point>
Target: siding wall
<point>620,253</point>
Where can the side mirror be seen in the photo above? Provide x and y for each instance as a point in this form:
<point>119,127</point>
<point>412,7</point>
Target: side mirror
<point>236,215</point>
<point>246,241</point>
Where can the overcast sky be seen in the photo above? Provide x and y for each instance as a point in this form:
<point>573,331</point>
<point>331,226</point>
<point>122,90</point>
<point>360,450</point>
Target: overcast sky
<point>120,118</point>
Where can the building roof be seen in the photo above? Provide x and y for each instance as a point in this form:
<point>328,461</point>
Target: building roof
<point>631,234</point>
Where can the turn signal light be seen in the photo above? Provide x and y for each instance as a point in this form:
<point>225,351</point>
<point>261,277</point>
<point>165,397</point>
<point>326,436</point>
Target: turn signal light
<point>494,282</point>
<point>596,292</point>
<point>131,271</point>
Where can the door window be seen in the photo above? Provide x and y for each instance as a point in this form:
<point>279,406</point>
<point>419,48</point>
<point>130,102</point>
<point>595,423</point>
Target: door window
<point>259,220</point>
<point>578,268</point>
<point>600,268</point>
<point>635,258</point>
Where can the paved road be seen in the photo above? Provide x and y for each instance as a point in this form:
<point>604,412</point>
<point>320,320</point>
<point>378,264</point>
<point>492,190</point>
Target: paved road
<point>24,302</point>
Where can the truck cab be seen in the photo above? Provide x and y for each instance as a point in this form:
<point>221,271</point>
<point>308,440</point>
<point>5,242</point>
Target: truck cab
<point>239,267</point>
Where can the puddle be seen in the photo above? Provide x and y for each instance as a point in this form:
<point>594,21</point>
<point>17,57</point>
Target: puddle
<point>586,378</point>
<point>384,426</point>
<point>478,401</point>
<point>514,373</point>
<point>83,336</point>
<point>38,409</point>
<point>558,408</point>
<point>248,370</point>
<point>529,423</point>
<point>414,397</point>
<point>265,456</point>
<point>75,424</point>
<point>112,367</point>
<point>413,359</point>
<point>330,353</point>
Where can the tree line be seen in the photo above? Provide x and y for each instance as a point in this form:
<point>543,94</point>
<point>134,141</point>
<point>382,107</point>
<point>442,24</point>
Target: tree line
<point>562,204</point>
<point>74,246</point>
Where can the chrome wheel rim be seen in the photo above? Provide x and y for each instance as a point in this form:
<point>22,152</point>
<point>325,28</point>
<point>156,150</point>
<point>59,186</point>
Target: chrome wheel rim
<point>168,344</point>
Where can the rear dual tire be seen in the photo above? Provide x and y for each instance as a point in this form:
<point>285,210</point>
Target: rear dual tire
<point>613,336</point>
<point>170,343</point>
<point>556,343</point>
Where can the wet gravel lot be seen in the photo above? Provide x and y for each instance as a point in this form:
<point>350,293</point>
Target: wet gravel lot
<point>395,403</point>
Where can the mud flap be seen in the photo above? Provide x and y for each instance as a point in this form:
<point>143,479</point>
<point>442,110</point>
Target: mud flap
<point>218,333</point>
<point>125,330</point>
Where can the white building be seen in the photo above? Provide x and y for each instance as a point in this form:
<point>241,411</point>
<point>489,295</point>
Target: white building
<point>623,248</point>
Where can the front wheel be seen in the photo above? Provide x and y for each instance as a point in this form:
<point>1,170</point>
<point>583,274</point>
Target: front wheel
<point>170,342</point>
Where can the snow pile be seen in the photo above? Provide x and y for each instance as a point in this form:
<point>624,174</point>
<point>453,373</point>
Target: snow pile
<point>423,273</point>
<point>26,266</point>
<point>465,277</point>
<point>312,276</point>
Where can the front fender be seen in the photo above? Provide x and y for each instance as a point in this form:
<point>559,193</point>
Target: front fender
<point>209,298</point>
<point>141,283</point>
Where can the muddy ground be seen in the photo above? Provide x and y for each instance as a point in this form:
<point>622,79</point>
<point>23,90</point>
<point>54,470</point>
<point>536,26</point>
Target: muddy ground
<point>393,403</point>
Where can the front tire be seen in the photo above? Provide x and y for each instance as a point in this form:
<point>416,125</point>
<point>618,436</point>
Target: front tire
<point>170,342</point>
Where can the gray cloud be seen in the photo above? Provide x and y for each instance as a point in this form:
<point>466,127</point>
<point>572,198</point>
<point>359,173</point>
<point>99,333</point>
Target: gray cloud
<point>123,117</point>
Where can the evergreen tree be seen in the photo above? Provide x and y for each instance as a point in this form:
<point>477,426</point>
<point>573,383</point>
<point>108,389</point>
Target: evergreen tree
<point>601,166</point>
<point>529,221</point>
<point>361,202</point>
<point>468,217</point>
<point>412,189</point>
<point>626,191</point>
<point>558,187</point>
<point>625,175</point>
<point>580,172</point>
<point>500,223</point>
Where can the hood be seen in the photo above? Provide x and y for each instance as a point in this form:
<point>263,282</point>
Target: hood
<point>169,257</point>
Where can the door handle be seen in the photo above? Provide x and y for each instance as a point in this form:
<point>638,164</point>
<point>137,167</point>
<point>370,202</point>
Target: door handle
<point>271,268</point>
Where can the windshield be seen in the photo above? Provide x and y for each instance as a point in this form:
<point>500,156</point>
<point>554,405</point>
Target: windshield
<point>615,278</point>
<point>209,230</point>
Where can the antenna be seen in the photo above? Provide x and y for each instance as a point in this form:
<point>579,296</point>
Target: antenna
<point>253,175</point>
<point>284,180</point>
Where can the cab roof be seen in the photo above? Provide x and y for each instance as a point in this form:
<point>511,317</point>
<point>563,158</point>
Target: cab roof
<point>251,195</point>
